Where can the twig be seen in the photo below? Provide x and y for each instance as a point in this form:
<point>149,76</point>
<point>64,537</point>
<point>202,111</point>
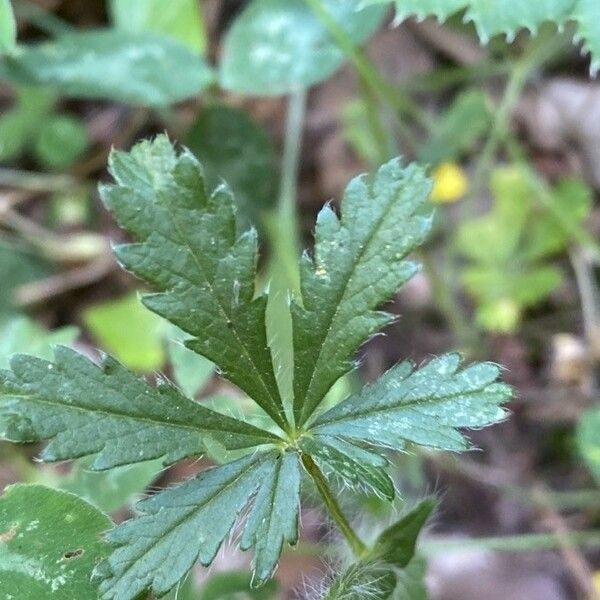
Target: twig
<point>45,289</point>
<point>573,558</point>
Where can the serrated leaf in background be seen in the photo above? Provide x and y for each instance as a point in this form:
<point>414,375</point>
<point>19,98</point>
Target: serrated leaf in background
<point>280,46</point>
<point>130,332</point>
<point>190,252</point>
<point>50,543</point>
<point>179,526</point>
<point>359,262</point>
<point>135,68</point>
<point>179,19</point>
<point>109,413</point>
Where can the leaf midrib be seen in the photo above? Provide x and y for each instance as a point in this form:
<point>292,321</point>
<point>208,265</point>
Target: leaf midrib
<point>399,406</point>
<point>194,508</point>
<point>279,414</point>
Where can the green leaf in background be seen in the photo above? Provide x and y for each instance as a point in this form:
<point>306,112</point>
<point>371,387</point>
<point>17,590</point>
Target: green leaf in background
<point>188,248</point>
<point>179,19</point>
<point>377,573</point>
<point>492,17</point>
<point>458,128</point>
<point>8,27</point>
<point>425,406</point>
<point>107,412</point>
<point>588,440</point>
<point>359,262</point>
<point>358,132</point>
<point>50,542</point>
<point>109,490</point>
<point>190,370</point>
<point>22,334</point>
<point>61,141</point>
<point>17,268</point>
<point>232,147</point>
<point>236,585</point>
<point>20,125</point>
<point>136,68</point>
<point>508,249</point>
<point>279,46</point>
<point>189,522</point>
<point>126,329</point>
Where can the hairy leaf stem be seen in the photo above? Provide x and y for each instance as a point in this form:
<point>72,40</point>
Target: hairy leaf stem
<point>357,545</point>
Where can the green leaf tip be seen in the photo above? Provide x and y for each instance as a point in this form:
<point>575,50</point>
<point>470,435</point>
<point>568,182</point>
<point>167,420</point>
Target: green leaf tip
<point>187,248</point>
<point>359,263</point>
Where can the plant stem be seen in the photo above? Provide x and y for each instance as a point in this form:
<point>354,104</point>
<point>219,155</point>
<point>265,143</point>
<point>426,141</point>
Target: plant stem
<point>286,231</point>
<point>357,545</point>
<point>511,543</point>
<point>396,98</point>
<point>539,51</point>
<point>36,182</point>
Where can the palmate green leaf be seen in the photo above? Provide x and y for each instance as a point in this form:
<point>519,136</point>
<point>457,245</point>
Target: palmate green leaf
<point>279,46</point>
<point>188,249</point>
<point>108,412</point>
<point>136,68</point>
<point>49,543</point>
<point>187,523</point>
<point>359,263</point>
<point>424,406</point>
<point>492,17</point>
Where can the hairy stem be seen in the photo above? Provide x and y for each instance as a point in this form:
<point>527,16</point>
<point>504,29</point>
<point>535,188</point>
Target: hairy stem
<point>357,545</point>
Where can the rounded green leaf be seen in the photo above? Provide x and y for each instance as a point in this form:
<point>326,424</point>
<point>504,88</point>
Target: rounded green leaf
<point>136,68</point>
<point>49,543</point>
<point>278,46</point>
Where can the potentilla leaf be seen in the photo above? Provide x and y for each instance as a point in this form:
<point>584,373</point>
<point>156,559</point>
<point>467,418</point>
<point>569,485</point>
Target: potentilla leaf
<point>188,249</point>
<point>358,468</point>
<point>492,17</point>
<point>424,406</point>
<point>108,412</point>
<point>359,263</point>
<point>189,522</point>
<point>274,516</point>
